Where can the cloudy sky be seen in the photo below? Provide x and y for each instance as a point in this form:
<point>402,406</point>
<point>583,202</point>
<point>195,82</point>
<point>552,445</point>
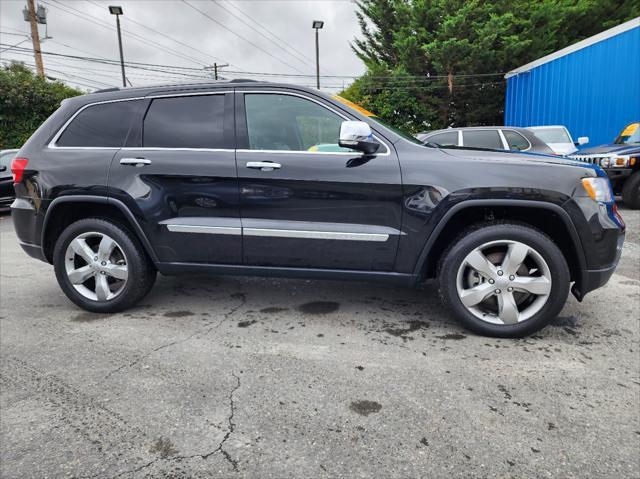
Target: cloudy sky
<point>177,39</point>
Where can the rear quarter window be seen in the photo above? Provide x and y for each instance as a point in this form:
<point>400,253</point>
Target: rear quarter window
<point>104,125</point>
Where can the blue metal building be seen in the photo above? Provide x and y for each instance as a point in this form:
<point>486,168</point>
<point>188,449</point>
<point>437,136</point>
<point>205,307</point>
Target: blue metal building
<point>591,87</point>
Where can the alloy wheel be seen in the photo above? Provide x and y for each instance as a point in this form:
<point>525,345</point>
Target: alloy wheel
<point>96,266</point>
<point>504,282</point>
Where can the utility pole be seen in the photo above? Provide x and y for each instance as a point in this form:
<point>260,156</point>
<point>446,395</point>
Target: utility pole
<point>35,37</point>
<point>215,69</point>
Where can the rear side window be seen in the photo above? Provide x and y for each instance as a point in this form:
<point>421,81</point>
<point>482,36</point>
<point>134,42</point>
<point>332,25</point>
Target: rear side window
<point>515,140</point>
<point>100,126</point>
<point>185,122</point>
<point>449,138</point>
<point>482,139</point>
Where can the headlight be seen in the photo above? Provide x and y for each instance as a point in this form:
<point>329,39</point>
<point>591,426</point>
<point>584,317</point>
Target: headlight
<point>599,189</point>
<point>605,162</point>
<point>620,162</point>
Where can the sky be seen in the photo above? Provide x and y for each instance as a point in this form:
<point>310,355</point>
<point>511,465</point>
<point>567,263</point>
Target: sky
<point>254,37</point>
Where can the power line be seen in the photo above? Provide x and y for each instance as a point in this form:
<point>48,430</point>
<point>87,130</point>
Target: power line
<point>241,37</point>
<point>129,19</point>
<point>155,67</point>
<point>96,21</point>
<point>303,60</point>
<point>110,62</point>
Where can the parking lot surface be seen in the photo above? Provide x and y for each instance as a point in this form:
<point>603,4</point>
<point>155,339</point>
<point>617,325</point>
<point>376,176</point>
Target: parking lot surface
<point>250,377</point>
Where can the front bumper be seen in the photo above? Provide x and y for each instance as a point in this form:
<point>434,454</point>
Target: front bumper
<point>616,175</point>
<point>591,279</point>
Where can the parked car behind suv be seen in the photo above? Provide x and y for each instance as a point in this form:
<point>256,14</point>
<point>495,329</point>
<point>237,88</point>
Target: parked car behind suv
<point>488,137</point>
<point>621,161</point>
<point>264,179</point>
<point>6,182</point>
<point>558,138</point>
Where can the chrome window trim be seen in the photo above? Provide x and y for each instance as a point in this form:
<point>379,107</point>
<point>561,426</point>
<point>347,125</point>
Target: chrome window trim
<point>517,133</point>
<point>52,144</point>
<point>306,97</point>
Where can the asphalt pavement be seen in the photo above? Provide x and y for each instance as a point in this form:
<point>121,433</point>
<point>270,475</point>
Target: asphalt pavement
<point>272,378</point>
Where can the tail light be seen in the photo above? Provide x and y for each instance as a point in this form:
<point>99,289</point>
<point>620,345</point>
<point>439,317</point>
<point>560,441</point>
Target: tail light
<point>18,166</point>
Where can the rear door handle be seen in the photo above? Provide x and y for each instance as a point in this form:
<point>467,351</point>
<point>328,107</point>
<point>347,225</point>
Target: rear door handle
<point>135,161</point>
<point>263,165</point>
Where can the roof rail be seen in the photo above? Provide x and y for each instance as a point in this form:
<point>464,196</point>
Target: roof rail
<point>106,90</point>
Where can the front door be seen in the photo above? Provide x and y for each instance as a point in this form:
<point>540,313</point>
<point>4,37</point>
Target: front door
<point>304,201</point>
<point>178,176</point>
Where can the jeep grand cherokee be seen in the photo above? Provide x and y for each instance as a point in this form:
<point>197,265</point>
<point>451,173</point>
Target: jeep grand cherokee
<point>255,178</point>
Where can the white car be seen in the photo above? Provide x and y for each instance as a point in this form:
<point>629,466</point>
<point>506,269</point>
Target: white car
<point>558,138</point>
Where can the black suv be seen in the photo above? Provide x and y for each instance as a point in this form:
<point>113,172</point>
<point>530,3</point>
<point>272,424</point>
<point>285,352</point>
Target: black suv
<point>255,178</point>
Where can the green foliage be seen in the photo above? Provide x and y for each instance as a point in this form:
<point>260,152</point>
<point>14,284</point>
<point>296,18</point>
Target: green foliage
<point>438,63</point>
<point>26,100</point>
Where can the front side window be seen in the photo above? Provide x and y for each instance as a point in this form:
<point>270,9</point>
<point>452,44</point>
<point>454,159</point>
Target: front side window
<point>450,138</point>
<point>290,123</point>
<point>100,126</point>
<point>515,140</point>
<point>489,139</point>
<point>185,122</point>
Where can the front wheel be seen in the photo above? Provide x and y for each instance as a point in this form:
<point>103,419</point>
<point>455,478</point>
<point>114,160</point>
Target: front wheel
<point>631,191</point>
<point>505,280</point>
<point>101,266</point>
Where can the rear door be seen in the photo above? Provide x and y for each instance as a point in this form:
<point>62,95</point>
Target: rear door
<point>306,202</point>
<point>177,174</point>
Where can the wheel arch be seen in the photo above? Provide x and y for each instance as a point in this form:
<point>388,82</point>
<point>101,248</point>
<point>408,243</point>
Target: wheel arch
<point>66,209</point>
<point>550,218</point>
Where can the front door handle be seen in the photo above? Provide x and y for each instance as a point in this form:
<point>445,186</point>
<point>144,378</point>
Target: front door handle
<point>263,165</point>
<point>135,161</point>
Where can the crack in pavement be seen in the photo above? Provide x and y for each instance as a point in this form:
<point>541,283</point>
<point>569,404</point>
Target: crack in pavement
<point>204,331</point>
<point>230,430</point>
<point>219,448</point>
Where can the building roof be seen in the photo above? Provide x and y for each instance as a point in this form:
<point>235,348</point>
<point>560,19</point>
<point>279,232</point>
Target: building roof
<point>635,23</point>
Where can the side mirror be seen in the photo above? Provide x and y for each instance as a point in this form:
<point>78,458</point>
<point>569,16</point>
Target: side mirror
<point>357,135</point>
<point>583,140</point>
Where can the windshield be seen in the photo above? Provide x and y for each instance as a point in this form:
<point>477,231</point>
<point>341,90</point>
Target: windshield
<point>552,135</point>
<point>631,134</point>
<point>398,131</point>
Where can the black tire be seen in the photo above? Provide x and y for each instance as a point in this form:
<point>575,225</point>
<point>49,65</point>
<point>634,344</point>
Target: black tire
<point>141,271</point>
<point>478,235</point>
<point>631,191</point>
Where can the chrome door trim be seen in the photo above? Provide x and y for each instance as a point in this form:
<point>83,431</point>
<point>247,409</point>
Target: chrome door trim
<point>214,230</point>
<point>327,235</point>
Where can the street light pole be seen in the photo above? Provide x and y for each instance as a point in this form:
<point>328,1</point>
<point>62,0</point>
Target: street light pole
<point>317,25</point>
<point>117,11</point>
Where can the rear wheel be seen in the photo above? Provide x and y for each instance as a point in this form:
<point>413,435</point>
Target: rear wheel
<point>631,191</point>
<point>101,266</point>
<point>505,280</point>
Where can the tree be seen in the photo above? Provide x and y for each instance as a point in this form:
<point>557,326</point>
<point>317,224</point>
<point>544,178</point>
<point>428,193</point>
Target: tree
<point>26,100</point>
<point>439,63</point>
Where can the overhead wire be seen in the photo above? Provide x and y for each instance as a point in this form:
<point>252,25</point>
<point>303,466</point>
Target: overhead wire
<point>241,37</point>
<point>157,32</point>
